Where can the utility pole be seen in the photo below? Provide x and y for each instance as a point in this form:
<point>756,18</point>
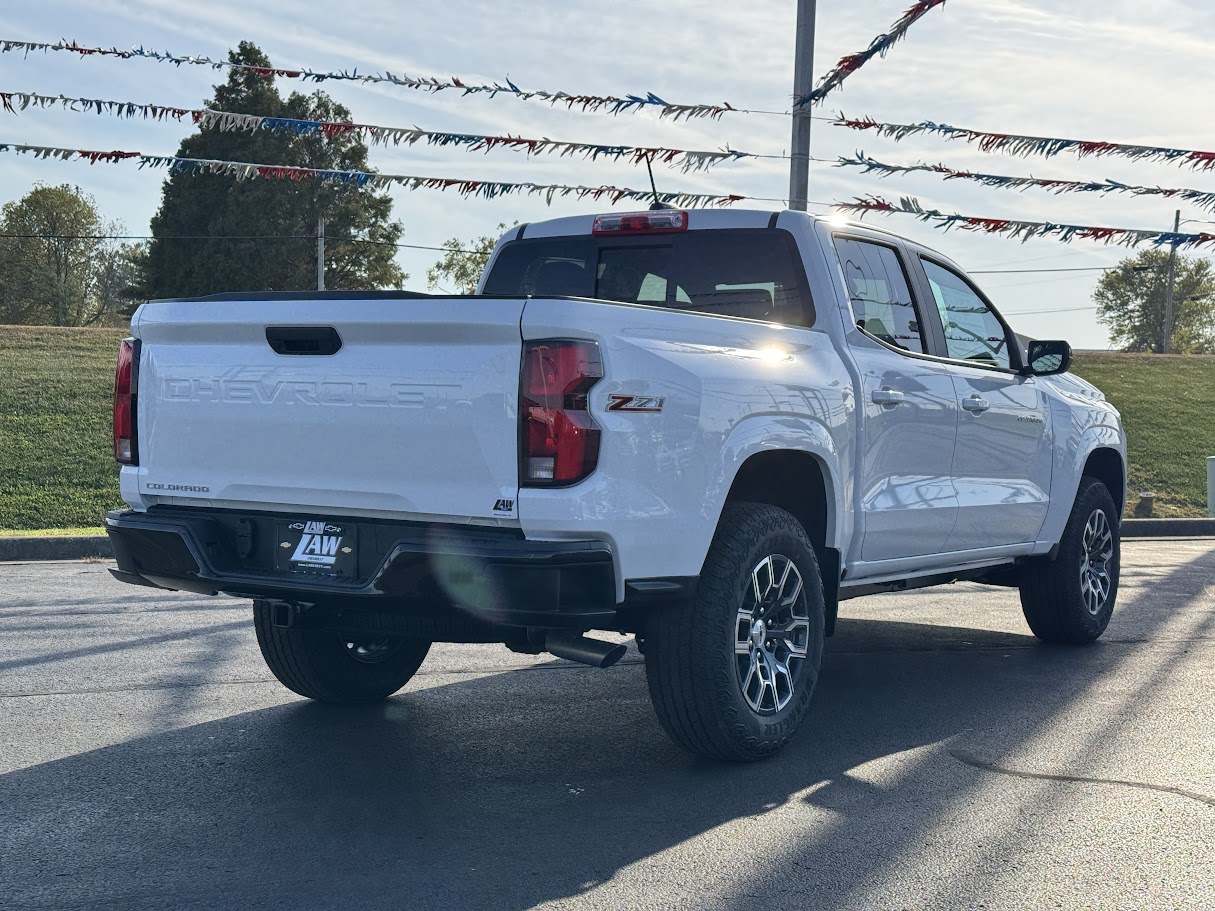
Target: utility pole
<point>1166,346</point>
<point>803,84</point>
<point>320,253</point>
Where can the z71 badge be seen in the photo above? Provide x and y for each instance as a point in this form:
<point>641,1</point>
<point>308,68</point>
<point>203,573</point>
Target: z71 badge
<point>644,403</point>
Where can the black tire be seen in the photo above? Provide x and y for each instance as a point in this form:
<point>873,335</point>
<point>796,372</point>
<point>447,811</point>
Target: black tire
<point>327,667</point>
<point>1055,596</point>
<point>695,671</point>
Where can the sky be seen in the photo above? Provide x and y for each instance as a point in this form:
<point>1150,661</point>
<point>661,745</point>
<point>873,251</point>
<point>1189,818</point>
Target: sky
<point>1114,70</point>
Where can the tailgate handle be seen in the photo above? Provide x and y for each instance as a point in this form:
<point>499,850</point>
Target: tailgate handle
<point>315,340</point>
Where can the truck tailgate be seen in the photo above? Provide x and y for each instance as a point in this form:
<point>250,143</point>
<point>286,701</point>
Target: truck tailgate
<point>414,416</point>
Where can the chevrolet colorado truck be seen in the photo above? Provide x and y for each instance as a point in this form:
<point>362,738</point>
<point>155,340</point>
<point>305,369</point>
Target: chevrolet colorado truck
<point>702,428</point>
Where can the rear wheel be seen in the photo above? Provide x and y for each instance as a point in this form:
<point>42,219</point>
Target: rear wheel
<point>1071,599</point>
<point>331,667</point>
<point>731,672</point>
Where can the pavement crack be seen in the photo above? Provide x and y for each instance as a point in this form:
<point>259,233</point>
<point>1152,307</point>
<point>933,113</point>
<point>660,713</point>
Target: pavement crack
<point>975,762</point>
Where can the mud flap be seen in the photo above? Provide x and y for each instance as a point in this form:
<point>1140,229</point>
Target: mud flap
<point>829,568</point>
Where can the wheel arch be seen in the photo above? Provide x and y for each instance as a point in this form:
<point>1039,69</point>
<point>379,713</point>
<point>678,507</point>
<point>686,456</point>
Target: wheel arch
<point>1097,452</point>
<point>801,482</point>
<point>1107,466</point>
<point>793,446</point>
<point>794,480</point>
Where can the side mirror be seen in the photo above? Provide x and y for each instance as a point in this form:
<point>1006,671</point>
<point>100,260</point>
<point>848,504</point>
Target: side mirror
<point>1048,358</point>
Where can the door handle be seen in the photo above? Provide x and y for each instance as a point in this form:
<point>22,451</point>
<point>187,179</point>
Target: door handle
<point>976,404</point>
<point>320,340</point>
<point>887,397</point>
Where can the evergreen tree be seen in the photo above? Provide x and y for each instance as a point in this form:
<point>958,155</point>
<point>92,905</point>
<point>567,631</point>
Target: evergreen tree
<point>359,229</point>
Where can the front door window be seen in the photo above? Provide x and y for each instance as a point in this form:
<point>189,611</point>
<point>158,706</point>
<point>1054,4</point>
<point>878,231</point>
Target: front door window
<point>972,331</point>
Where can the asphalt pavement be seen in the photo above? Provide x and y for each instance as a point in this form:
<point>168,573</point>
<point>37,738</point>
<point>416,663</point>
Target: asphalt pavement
<point>149,760</point>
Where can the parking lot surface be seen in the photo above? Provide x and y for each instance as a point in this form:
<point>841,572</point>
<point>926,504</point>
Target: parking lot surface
<point>149,760</point>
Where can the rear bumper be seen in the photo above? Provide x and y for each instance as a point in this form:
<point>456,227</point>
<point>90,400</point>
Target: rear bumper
<point>489,577</point>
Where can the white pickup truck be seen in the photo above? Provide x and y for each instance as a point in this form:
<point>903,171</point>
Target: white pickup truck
<point>702,428</point>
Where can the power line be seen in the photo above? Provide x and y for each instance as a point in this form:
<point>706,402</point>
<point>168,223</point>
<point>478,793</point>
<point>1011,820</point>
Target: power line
<point>1011,271</point>
<point>354,240</point>
<point>1036,259</point>
<point>1037,312</point>
<point>385,243</point>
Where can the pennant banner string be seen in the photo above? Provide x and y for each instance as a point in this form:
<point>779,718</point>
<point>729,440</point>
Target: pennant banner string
<point>1026,146</point>
<point>1201,198</point>
<point>1025,230</point>
<point>485,189</point>
<point>590,103</point>
<point>225,121</point>
<point>877,48</point>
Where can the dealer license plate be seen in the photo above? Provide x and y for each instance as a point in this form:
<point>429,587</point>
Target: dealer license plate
<point>320,546</point>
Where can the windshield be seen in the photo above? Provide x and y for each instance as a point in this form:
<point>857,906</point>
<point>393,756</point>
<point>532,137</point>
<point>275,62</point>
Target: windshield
<point>750,273</point>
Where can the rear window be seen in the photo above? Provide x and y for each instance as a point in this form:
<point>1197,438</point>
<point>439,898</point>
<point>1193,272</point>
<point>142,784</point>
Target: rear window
<point>750,273</point>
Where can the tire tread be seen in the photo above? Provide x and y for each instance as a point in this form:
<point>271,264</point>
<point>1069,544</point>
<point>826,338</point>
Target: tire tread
<point>695,699</point>
<point>1050,605</point>
<point>306,663</point>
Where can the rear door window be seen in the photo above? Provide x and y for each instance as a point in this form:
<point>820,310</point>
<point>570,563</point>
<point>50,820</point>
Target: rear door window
<point>750,273</point>
<point>880,294</point>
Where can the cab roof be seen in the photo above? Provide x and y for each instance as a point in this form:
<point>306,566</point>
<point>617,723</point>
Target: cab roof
<point>717,219</point>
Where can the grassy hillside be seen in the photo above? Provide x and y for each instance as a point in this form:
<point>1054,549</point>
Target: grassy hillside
<point>1166,405</point>
<point>56,470</point>
<point>56,466</point>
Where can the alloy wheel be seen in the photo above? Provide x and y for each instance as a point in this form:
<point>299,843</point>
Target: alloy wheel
<point>772,635</point>
<point>1096,555</point>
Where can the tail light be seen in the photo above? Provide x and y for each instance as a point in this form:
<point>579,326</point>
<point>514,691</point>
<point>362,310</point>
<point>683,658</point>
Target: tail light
<point>126,380</point>
<point>558,440</point>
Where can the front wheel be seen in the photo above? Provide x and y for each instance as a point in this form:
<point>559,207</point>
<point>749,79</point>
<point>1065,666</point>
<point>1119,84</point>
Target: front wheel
<point>332,667</point>
<point>1070,600</point>
<point>732,671</point>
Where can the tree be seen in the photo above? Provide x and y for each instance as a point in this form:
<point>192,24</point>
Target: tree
<point>462,264</point>
<point>237,216</point>
<point>119,276</point>
<point>57,266</point>
<point>1131,302</point>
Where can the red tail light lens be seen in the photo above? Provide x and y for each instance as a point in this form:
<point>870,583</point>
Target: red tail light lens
<point>559,442</point>
<point>125,379</point>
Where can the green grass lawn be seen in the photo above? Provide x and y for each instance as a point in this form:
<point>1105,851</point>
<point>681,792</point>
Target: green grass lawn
<point>1166,405</point>
<point>51,532</point>
<point>56,464</point>
<point>57,472</point>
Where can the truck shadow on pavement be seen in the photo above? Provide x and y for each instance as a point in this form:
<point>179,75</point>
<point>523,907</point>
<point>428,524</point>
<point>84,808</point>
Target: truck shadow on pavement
<point>543,784</point>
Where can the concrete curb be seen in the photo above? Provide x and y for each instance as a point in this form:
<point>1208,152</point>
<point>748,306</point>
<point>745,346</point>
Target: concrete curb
<point>67,547</point>
<point>1168,528</point>
<point>58,547</point>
